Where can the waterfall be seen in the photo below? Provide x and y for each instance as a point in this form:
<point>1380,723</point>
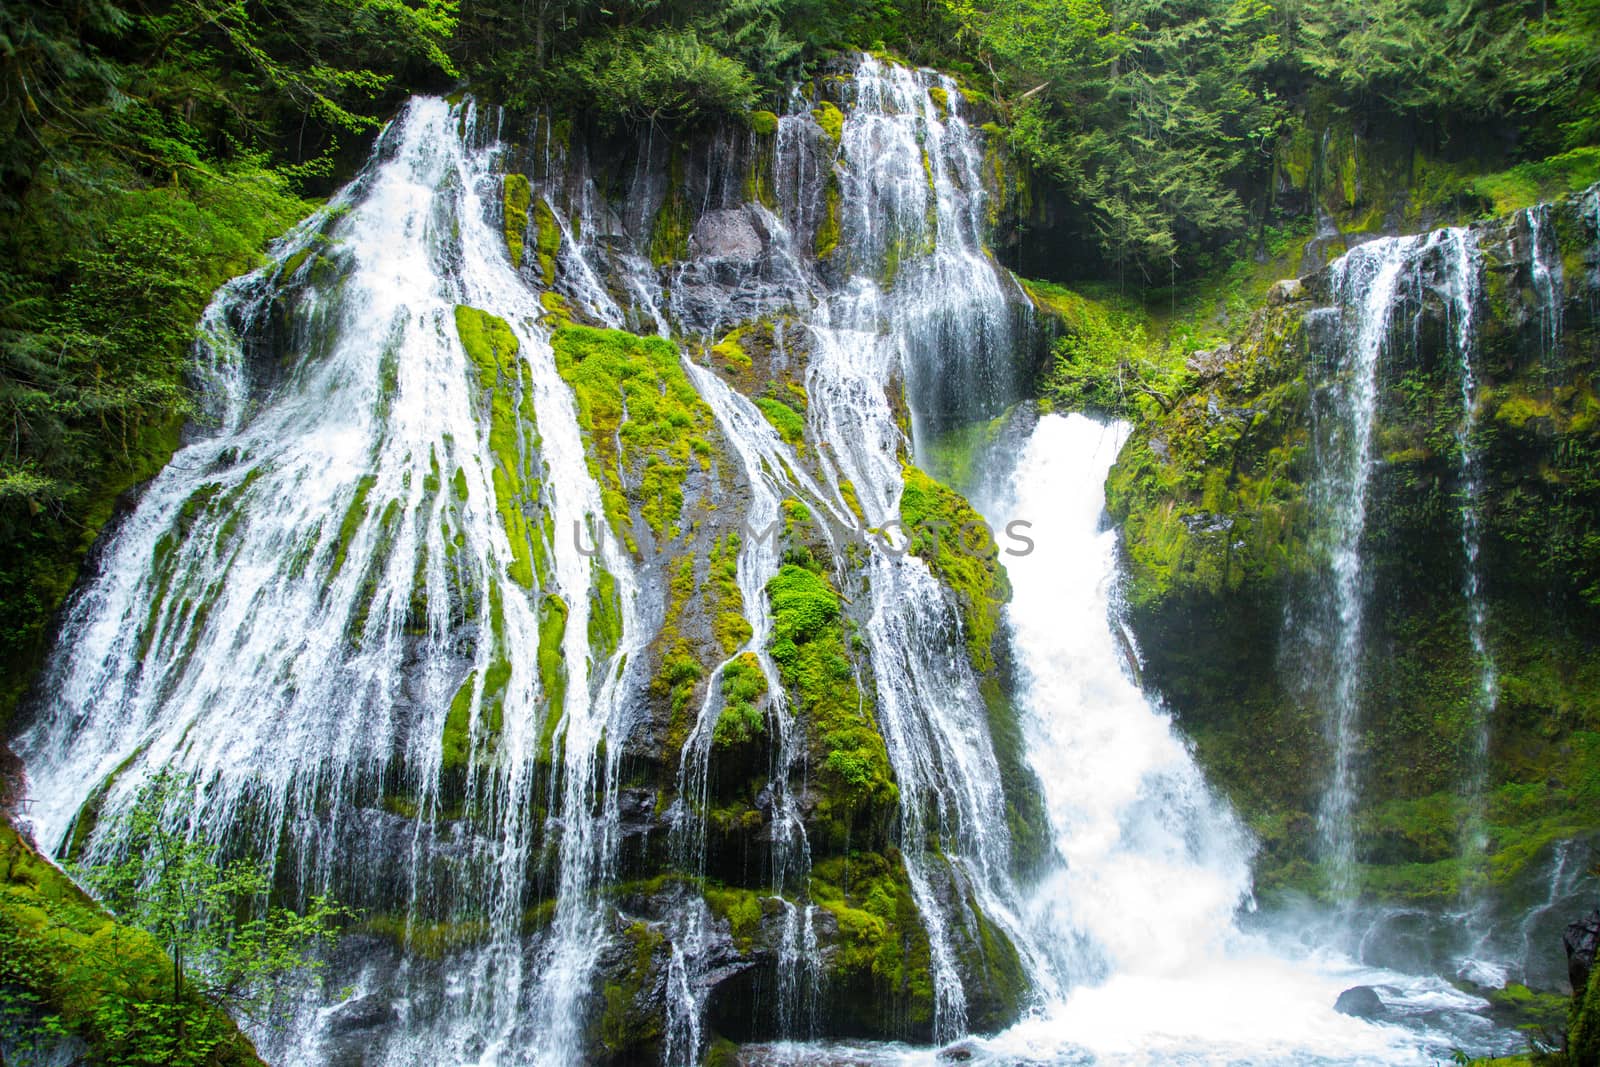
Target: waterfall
<point>360,617</point>
<point>1544,257</point>
<point>1460,285</point>
<point>1140,918</point>
<point>312,615</point>
<point>1372,286</point>
<point>1366,285</point>
<point>906,293</point>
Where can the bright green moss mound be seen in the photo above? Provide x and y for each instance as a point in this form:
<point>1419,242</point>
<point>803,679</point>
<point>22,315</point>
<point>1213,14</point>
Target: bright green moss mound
<point>762,123</point>
<point>959,548</point>
<point>547,238</point>
<point>516,195</point>
<point>743,686</point>
<point>790,424</point>
<point>831,119</point>
<point>643,420</point>
<point>880,979</point>
<point>505,390</point>
<point>808,645</point>
<point>68,969</point>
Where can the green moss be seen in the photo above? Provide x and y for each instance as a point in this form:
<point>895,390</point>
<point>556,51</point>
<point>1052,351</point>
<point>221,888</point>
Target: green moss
<point>629,1025</point>
<point>741,909</point>
<point>1533,183</point>
<point>505,392</point>
<point>880,979</point>
<point>733,357</point>
<point>515,196</point>
<point>743,687</point>
<point>809,648</point>
<point>790,424</point>
<point>960,550</point>
<point>428,939</point>
<point>847,489</point>
<point>826,239</point>
<point>557,311</point>
<point>831,119</point>
<point>678,669</point>
<point>762,123</point>
<point>1583,1032</point>
<point>552,666</point>
<point>354,516</point>
<point>605,616</point>
<point>641,417</point>
<point>72,970</point>
<point>547,239</point>
<point>669,234</point>
<point>941,101</point>
<point>728,623</point>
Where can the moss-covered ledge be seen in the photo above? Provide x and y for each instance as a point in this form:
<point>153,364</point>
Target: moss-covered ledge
<point>70,973</point>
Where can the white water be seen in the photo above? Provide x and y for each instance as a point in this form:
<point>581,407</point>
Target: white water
<point>1365,282</point>
<point>1548,288</point>
<point>1141,917</point>
<point>1156,866</point>
<point>278,710</point>
<point>1461,288</point>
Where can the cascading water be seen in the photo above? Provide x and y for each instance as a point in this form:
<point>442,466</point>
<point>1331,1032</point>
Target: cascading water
<point>290,664</point>
<point>1141,914</point>
<point>1366,284</point>
<point>1460,287</point>
<point>909,222</point>
<point>944,302</point>
<point>1370,286</point>
<point>1545,261</point>
<point>355,620</point>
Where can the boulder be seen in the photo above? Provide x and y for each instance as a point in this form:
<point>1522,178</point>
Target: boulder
<point>1362,1002</point>
<point>726,234</point>
<point>1286,291</point>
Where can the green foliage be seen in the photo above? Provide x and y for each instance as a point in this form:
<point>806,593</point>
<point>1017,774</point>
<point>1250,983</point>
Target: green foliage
<point>1165,122</point>
<point>208,914</point>
<point>150,153</point>
<point>193,936</point>
<point>669,76</point>
<point>67,969</point>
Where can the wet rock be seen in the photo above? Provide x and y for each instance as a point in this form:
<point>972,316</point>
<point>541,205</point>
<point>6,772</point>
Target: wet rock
<point>1581,941</point>
<point>726,234</point>
<point>360,1015</point>
<point>1362,1002</point>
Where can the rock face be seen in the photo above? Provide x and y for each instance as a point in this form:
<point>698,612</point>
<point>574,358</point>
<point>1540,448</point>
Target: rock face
<point>1361,1001</point>
<point>1226,547</point>
<point>1582,942</point>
